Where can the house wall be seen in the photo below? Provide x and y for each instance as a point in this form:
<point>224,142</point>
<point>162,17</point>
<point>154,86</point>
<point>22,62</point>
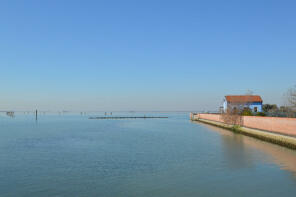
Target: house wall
<point>225,105</point>
<point>258,105</point>
<point>280,125</point>
<point>241,106</point>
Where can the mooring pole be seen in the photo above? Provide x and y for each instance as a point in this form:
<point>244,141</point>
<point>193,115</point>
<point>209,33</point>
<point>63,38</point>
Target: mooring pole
<point>36,114</point>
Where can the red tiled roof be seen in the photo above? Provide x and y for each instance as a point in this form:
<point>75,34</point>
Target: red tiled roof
<point>243,98</point>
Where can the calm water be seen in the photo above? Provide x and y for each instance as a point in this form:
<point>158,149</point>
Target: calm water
<point>70,155</point>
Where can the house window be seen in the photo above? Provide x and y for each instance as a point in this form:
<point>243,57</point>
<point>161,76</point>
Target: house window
<point>255,109</point>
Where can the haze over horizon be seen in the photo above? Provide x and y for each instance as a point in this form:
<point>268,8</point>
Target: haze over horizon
<point>144,56</point>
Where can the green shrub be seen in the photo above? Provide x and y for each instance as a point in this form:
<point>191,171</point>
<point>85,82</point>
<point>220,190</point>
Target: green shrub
<point>247,112</point>
<point>235,128</point>
<point>260,114</point>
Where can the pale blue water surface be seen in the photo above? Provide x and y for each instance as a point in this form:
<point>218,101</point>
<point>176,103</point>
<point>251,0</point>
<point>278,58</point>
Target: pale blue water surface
<point>71,155</point>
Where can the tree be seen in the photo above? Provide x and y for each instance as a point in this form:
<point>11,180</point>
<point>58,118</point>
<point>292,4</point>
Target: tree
<point>232,117</point>
<point>291,96</point>
<point>291,102</point>
<point>284,109</point>
<point>270,108</point>
<point>247,112</point>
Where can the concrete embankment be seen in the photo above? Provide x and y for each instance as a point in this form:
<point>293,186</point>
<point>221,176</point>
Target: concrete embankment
<point>273,132</point>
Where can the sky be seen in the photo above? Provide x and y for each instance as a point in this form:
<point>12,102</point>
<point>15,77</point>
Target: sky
<point>162,55</point>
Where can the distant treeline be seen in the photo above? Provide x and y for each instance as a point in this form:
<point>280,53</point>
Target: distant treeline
<point>282,111</point>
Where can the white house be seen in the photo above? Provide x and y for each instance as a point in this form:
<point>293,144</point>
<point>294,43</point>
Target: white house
<point>240,102</point>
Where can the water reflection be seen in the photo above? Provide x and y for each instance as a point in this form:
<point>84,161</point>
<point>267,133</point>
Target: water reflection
<point>235,152</point>
<point>281,156</point>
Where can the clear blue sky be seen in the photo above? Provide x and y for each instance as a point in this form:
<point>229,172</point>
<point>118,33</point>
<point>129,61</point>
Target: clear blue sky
<point>144,55</point>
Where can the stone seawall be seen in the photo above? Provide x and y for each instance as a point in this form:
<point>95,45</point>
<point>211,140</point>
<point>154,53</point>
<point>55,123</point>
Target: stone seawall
<point>277,130</point>
<point>286,126</point>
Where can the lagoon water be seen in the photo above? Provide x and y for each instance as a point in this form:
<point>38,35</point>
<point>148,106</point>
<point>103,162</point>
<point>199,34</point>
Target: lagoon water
<point>71,155</point>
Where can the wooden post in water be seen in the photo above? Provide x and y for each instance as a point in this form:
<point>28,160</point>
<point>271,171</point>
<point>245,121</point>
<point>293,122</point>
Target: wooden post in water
<point>36,114</point>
